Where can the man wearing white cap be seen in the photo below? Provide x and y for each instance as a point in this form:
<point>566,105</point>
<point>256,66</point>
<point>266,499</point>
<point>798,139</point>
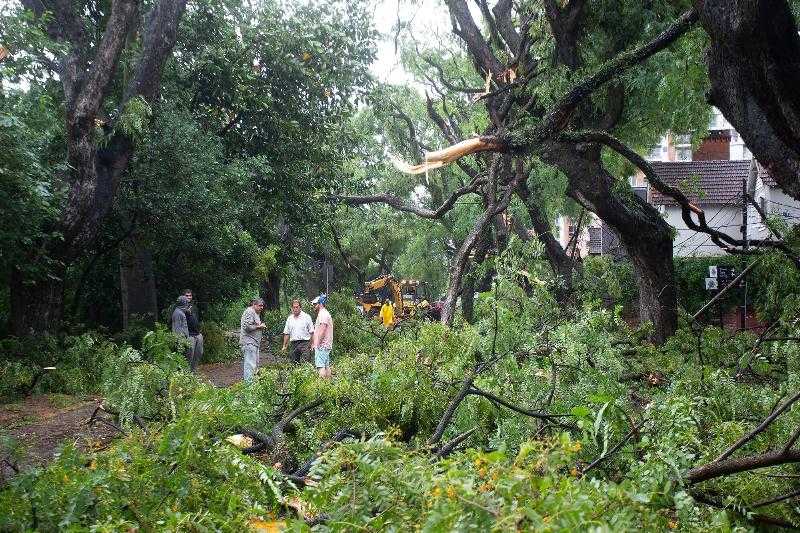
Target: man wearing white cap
<point>322,342</point>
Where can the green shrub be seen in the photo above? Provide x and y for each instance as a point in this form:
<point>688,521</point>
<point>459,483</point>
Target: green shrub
<point>608,281</point>
<point>16,378</point>
<point>217,346</point>
<point>79,363</point>
<point>514,471</point>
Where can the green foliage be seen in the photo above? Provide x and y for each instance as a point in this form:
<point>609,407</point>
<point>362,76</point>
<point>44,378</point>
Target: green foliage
<point>266,261</point>
<point>78,363</point>
<point>690,275</point>
<point>140,382</point>
<point>30,192</point>
<point>610,282</point>
<point>168,483</point>
<point>134,118</point>
<point>516,470</point>
<point>217,346</point>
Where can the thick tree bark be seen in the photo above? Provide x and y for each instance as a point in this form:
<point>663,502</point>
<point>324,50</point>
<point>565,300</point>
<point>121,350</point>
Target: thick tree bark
<point>459,265</point>
<point>646,236</point>
<point>496,203</point>
<point>137,282</point>
<point>95,171</point>
<point>470,284</point>
<point>36,302</point>
<point>270,290</point>
<point>754,68</point>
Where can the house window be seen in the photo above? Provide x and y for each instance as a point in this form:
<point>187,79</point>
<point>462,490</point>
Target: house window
<point>683,147</point>
<point>655,152</point>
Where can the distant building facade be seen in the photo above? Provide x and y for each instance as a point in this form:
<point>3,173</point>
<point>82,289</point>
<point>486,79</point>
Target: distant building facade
<point>714,176</point>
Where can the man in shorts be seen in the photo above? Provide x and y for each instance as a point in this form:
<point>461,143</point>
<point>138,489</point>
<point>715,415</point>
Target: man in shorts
<point>322,342</point>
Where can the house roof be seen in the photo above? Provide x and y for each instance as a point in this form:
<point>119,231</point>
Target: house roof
<point>715,182</point>
<point>595,241</point>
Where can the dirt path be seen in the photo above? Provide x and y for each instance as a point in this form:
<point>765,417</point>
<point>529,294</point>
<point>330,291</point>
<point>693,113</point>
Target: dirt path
<point>42,423</point>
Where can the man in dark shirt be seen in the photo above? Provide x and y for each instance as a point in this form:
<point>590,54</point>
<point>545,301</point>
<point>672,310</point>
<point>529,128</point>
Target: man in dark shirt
<point>195,337</point>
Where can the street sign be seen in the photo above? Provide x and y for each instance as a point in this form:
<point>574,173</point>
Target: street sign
<point>726,272</point>
<point>712,284</point>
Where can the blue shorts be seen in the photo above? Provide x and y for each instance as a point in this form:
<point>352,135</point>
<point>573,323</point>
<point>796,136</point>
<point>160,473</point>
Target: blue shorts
<point>322,357</point>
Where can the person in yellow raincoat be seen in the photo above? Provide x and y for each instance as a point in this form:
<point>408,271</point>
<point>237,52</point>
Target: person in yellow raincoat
<point>387,314</point>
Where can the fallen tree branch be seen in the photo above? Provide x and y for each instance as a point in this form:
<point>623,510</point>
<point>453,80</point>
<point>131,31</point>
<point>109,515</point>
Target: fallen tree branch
<point>448,448</point>
<point>741,464</point>
<point>340,435</point>
<point>776,499</point>
<point>761,427</point>
<point>264,440</point>
<point>615,449</point>
<point>751,517</point>
<point>527,412</point>
<point>453,405</point>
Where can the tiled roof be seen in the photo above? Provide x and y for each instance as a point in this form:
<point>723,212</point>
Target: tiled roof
<point>595,241</point>
<point>703,182</point>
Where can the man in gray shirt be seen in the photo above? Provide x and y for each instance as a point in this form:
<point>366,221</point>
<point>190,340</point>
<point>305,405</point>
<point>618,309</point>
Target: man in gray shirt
<point>250,331</point>
<point>180,326</point>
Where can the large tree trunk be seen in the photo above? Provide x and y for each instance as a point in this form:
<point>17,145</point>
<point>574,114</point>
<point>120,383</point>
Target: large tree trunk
<point>270,290</point>
<point>137,282</point>
<point>647,238</point>
<point>471,282</point>
<point>754,68</point>
<point>459,266</point>
<point>95,172</point>
<point>36,302</point>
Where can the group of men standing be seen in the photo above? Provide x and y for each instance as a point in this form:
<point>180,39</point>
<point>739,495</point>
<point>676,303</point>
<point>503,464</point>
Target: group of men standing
<point>186,323</point>
<point>300,336</point>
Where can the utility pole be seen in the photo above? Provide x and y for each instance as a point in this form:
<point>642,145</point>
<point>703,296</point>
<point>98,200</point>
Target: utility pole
<point>743,311</point>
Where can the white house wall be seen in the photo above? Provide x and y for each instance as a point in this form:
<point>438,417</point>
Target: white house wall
<point>726,219</point>
<point>783,206</point>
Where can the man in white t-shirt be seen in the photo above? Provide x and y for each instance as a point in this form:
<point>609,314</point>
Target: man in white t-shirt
<point>298,331</point>
<point>323,337</point>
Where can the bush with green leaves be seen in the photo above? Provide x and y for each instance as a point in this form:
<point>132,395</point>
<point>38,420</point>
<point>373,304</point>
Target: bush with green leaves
<point>77,364</point>
<point>608,281</point>
<point>217,345</point>
<point>632,420</point>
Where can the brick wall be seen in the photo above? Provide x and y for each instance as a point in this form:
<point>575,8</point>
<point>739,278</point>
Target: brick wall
<point>713,147</point>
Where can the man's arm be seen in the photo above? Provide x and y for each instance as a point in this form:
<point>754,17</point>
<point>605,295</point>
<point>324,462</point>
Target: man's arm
<point>252,323</point>
<point>286,334</point>
<point>318,333</point>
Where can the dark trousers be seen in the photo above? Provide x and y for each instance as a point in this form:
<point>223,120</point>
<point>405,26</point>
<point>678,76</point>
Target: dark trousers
<point>300,351</point>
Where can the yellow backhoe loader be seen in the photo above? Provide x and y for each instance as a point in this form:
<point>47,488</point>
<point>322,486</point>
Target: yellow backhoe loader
<point>404,294</point>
